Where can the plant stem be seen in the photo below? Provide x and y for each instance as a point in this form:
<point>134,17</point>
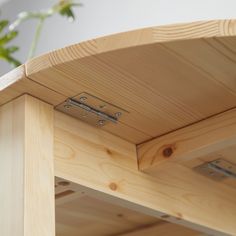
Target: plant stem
<point>36,38</point>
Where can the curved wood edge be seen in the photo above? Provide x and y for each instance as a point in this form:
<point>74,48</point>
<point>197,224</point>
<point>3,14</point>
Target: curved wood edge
<point>98,66</point>
<point>15,83</point>
<point>12,77</point>
<point>140,37</point>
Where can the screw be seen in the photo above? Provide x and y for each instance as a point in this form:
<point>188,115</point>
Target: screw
<point>67,106</point>
<point>83,99</point>
<point>101,122</point>
<point>118,114</point>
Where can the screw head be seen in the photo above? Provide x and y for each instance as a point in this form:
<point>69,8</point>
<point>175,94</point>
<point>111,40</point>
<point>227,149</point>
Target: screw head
<point>101,122</point>
<point>67,106</point>
<point>118,114</point>
<point>83,99</point>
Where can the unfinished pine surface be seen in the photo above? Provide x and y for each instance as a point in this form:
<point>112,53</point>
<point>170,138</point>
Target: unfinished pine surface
<point>164,228</point>
<point>195,141</point>
<point>15,83</point>
<point>26,168</point>
<point>78,213</point>
<point>166,77</point>
<point>205,141</point>
<point>107,166</point>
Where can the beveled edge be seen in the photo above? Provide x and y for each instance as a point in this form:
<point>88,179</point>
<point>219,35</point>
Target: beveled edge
<point>135,38</point>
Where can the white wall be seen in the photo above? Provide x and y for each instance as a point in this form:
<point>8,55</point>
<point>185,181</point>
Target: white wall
<point>101,17</point>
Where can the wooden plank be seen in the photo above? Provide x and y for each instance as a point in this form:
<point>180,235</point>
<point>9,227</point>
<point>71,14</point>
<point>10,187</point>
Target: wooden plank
<point>15,83</point>
<point>82,214</point>
<point>79,213</point>
<point>163,228</point>
<point>195,141</point>
<point>107,166</point>
<point>227,154</point>
<point>26,169</point>
<point>134,70</point>
<point>161,75</point>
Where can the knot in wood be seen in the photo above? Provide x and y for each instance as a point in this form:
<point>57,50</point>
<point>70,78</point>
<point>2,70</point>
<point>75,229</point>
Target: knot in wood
<point>167,152</point>
<point>113,186</point>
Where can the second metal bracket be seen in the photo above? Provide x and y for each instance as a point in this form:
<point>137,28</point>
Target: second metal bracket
<point>218,169</point>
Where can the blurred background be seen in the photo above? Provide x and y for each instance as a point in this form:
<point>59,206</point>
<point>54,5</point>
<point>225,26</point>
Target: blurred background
<point>102,17</point>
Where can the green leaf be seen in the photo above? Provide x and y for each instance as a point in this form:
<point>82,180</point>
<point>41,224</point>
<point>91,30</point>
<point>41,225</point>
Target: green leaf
<point>6,52</point>
<point>64,8</point>
<point>3,24</point>
<point>14,61</point>
<point>5,55</point>
<point>12,49</point>
<point>11,60</point>
<point>66,11</point>
<point>8,37</point>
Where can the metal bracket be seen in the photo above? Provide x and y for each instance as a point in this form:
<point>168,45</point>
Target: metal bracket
<point>218,169</point>
<point>91,110</point>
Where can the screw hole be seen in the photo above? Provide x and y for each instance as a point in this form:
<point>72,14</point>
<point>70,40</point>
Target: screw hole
<point>118,114</point>
<point>83,99</point>
<point>67,106</point>
<point>64,183</point>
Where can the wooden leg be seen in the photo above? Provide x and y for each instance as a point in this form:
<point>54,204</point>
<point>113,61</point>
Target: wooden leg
<point>26,168</point>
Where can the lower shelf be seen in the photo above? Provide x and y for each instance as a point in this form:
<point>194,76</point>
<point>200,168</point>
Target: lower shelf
<point>80,214</point>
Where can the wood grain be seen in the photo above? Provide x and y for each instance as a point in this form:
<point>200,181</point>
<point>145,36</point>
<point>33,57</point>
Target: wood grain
<point>166,77</point>
<point>27,177</point>
<point>11,168</point>
<point>227,154</point>
<point>15,83</point>
<point>195,141</point>
<point>80,213</point>
<point>38,169</point>
<point>85,215</point>
<point>163,228</point>
<point>106,165</point>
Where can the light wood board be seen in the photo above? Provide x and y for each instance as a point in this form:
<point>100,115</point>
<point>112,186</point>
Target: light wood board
<point>15,83</point>
<point>208,140</point>
<point>106,165</point>
<point>26,168</point>
<point>80,214</point>
<point>166,77</point>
